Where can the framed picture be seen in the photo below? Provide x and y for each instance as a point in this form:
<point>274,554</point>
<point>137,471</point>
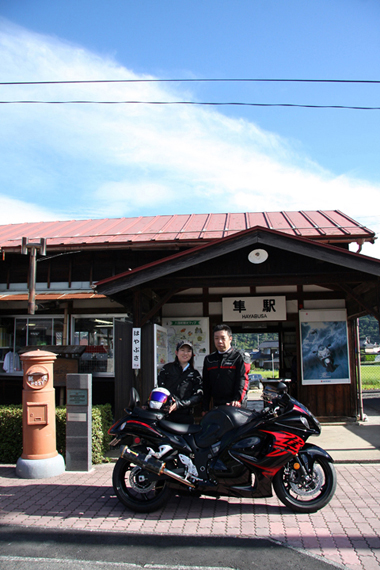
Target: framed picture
<point>324,347</point>
<point>193,329</point>
<point>160,348</point>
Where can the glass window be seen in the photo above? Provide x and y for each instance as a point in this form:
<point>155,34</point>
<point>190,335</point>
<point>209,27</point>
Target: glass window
<point>34,331</point>
<point>6,332</point>
<point>40,332</point>
<point>20,332</point>
<point>96,334</point>
<point>7,363</point>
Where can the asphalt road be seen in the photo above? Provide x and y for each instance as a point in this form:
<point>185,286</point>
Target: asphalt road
<point>44,549</point>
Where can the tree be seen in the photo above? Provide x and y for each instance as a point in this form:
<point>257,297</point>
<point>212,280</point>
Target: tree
<point>369,327</point>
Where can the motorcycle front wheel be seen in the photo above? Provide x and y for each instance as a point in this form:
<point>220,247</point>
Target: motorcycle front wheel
<point>137,489</point>
<point>306,494</point>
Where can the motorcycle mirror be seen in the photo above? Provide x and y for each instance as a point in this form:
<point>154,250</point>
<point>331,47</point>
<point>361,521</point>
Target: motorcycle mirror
<point>282,387</point>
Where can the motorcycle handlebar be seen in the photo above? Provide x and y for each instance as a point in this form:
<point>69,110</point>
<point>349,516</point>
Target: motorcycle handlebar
<point>271,411</point>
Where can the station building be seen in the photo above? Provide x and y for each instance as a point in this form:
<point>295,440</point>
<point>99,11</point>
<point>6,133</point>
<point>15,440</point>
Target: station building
<point>111,297</point>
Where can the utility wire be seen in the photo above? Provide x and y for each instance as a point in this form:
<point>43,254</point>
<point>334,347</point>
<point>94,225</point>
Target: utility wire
<point>205,103</point>
<point>216,80</point>
<point>216,104</point>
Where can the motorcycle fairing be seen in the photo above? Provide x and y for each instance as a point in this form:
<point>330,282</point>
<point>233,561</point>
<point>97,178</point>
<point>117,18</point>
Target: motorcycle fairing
<point>234,477</point>
<point>284,442</point>
<point>138,427</point>
<point>135,423</point>
<point>310,451</point>
<point>148,415</point>
<point>179,429</point>
<point>220,421</point>
<point>298,408</point>
<point>283,448</point>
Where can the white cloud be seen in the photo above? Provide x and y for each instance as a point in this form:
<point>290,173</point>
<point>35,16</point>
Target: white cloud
<point>147,194</point>
<point>78,161</point>
<point>13,211</point>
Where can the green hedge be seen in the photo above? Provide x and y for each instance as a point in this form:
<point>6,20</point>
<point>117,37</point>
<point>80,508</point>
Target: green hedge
<point>11,432</point>
<point>368,357</point>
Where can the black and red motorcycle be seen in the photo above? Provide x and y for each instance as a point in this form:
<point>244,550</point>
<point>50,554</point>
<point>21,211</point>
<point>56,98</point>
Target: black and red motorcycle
<point>234,452</point>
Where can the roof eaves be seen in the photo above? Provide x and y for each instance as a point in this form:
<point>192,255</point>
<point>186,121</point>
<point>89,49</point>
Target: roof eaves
<point>264,236</point>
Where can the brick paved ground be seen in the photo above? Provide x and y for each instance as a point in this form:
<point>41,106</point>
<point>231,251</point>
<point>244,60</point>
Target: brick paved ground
<point>346,532</point>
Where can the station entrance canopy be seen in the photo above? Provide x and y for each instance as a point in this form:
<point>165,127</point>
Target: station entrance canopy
<point>227,262</point>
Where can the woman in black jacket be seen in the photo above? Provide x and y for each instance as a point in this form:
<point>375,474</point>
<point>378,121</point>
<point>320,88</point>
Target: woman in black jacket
<point>183,382</point>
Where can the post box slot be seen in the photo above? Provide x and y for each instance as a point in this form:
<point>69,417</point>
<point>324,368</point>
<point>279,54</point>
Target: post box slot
<point>36,413</point>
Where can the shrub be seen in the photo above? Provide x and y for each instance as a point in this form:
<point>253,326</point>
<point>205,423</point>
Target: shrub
<point>101,421</point>
<point>11,432</point>
<point>369,358</point>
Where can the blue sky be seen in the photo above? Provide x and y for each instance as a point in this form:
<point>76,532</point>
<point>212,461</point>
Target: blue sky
<point>79,161</point>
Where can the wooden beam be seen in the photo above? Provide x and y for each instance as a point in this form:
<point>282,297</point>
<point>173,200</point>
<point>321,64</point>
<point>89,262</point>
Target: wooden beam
<point>205,298</point>
<point>359,300</point>
<point>217,297</point>
<point>324,280</point>
<point>137,308</point>
<point>158,305</point>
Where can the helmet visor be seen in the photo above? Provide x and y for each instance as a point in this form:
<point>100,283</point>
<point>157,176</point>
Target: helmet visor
<point>158,397</point>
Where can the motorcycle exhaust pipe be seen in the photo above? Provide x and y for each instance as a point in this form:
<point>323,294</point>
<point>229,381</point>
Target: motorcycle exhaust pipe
<point>152,464</point>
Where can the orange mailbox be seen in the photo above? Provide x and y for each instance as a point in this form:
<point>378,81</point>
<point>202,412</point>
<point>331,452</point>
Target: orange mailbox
<point>40,457</point>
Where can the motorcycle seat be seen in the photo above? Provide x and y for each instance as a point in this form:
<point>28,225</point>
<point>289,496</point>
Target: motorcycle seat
<point>179,429</point>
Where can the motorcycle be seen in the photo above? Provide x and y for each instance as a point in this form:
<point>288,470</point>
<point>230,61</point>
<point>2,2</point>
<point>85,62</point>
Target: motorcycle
<point>234,452</point>
<point>325,357</point>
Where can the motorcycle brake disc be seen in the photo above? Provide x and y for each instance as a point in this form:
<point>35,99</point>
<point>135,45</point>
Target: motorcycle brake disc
<point>303,488</point>
<point>139,481</point>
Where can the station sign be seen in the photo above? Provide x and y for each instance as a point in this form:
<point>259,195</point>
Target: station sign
<point>248,309</point>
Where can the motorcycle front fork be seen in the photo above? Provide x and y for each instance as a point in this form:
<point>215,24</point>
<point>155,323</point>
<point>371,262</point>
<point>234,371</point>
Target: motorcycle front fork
<point>301,469</point>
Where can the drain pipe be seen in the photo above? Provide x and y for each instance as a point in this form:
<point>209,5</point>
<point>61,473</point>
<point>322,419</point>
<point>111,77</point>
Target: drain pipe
<point>361,415</point>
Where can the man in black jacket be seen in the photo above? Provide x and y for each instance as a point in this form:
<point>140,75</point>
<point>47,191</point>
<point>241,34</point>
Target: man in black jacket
<point>225,372</point>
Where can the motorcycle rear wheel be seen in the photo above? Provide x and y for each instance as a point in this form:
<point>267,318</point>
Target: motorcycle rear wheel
<point>135,488</point>
<point>301,495</point>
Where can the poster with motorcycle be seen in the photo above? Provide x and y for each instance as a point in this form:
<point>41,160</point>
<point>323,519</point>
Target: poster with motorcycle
<point>195,330</point>
<point>324,347</point>
<point>160,348</point>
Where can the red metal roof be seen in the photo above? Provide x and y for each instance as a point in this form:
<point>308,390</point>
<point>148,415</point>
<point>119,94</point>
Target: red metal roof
<point>50,296</point>
<point>328,226</point>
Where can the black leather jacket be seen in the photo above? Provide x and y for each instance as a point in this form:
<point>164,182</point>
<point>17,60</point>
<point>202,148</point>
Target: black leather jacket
<point>225,378</point>
<point>184,385</point>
